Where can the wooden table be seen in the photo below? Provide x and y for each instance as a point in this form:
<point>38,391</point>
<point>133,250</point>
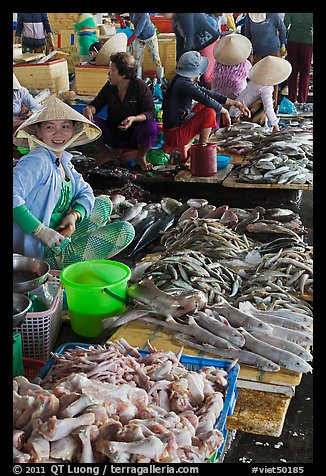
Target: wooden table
<point>231,182</point>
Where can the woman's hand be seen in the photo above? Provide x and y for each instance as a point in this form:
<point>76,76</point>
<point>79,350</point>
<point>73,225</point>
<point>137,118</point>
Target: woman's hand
<point>88,112</point>
<point>242,107</point>
<point>226,118</point>
<point>48,236</point>
<point>126,123</point>
<point>276,128</point>
<point>68,222</point>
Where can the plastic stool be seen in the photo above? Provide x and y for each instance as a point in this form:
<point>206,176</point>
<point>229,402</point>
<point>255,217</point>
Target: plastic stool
<point>182,149</point>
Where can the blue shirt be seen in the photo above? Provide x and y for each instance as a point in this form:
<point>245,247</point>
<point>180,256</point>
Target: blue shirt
<point>37,184</point>
<point>144,27</point>
<point>267,36</point>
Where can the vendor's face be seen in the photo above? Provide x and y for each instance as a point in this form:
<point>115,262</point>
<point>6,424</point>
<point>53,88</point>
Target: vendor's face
<point>113,74</point>
<point>55,133</point>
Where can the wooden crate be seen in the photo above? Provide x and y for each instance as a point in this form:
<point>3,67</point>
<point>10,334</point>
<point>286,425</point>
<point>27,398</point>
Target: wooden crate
<point>90,79</point>
<point>62,21</point>
<point>52,75</point>
<point>167,48</point>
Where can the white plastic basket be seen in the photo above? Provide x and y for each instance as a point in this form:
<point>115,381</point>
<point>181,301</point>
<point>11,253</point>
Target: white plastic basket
<point>40,330</point>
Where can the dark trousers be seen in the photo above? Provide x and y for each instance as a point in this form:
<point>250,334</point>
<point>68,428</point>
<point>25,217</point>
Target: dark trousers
<point>300,56</point>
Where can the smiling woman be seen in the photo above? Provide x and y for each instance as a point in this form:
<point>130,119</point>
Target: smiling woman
<point>51,198</point>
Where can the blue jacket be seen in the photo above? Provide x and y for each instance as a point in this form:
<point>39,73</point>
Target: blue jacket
<point>37,184</point>
<point>32,27</point>
<point>144,28</point>
<point>266,37</point>
<point>193,32</point>
<point>178,101</point>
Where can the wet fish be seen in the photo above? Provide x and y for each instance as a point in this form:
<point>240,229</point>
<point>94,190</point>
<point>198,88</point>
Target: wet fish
<point>253,217</point>
<point>218,212</point>
<point>191,329</point>
<point>293,336</point>
<point>238,318</point>
<point>285,345</point>
<point>197,202</point>
<point>138,218</point>
<point>131,213</point>
<point>140,227</point>
<point>244,356</point>
<point>229,219</point>
<point>270,228</point>
<point>222,330</point>
<point>191,212</point>
<point>170,205</point>
<point>152,233</point>
<point>205,210</point>
<point>281,357</point>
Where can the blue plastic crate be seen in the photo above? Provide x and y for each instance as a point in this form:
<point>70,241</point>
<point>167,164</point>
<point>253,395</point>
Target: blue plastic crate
<point>191,363</point>
<point>103,113</point>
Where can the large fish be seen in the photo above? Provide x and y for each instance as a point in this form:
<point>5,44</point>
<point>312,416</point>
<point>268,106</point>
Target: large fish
<point>141,226</point>
<point>152,233</point>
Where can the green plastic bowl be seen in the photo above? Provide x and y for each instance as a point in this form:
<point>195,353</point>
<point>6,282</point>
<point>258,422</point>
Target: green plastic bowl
<point>95,290</point>
<point>23,150</point>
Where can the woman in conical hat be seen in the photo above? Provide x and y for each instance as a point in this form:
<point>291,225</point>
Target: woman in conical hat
<point>50,197</point>
<point>231,66</point>
<point>258,95</point>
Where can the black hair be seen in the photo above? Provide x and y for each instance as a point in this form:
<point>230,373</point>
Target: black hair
<point>126,65</point>
<point>96,46</point>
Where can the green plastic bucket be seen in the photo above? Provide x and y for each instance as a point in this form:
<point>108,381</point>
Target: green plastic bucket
<point>95,289</point>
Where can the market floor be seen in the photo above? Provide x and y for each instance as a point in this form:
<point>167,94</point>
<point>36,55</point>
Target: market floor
<point>295,443</point>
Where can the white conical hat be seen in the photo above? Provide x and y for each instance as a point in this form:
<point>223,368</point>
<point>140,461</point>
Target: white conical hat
<point>16,83</point>
<point>116,44</point>
<point>54,110</point>
<point>270,70</point>
<point>232,49</point>
<point>257,17</point>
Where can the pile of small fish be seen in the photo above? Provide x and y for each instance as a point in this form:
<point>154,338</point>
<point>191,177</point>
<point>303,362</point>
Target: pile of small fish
<point>276,167</point>
<point>110,404</point>
<point>111,172</point>
<point>241,138</point>
<point>191,270</point>
<point>271,298</point>
<point>263,339</point>
<point>128,189</point>
<point>207,236</point>
<point>291,268</point>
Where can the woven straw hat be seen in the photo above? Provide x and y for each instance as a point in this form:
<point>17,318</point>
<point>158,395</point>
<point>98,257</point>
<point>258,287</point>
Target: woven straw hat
<point>232,49</point>
<point>270,71</point>
<point>116,44</point>
<point>257,17</point>
<point>16,83</point>
<point>56,110</point>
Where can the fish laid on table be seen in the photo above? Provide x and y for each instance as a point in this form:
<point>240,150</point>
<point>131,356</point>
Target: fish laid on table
<point>243,356</point>
<point>282,357</point>
<point>147,294</point>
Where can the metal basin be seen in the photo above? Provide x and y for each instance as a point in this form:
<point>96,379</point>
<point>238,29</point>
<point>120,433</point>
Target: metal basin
<point>21,305</point>
<point>28,273</point>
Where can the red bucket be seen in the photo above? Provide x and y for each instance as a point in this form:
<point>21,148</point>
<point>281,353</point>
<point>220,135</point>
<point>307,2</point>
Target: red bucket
<point>203,160</point>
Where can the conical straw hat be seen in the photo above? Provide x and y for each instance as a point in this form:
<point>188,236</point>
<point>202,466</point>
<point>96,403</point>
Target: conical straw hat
<point>232,49</point>
<point>52,110</point>
<point>257,17</point>
<point>16,83</point>
<point>116,44</point>
<point>270,70</point>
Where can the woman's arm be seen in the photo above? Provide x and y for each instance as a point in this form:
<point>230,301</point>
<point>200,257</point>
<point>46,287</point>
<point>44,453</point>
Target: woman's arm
<point>187,24</point>
<point>266,94</point>
<point>281,29</point>
<point>28,100</point>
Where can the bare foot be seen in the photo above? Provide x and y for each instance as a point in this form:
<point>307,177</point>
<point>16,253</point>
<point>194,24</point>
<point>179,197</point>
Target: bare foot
<point>143,164</point>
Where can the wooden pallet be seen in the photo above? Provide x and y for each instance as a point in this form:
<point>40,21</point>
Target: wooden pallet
<point>185,176</point>
<point>230,181</point>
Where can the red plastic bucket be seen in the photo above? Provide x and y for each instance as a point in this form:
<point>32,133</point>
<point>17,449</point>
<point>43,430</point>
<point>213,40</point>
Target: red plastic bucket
<point>203,160</point>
